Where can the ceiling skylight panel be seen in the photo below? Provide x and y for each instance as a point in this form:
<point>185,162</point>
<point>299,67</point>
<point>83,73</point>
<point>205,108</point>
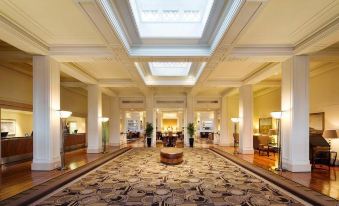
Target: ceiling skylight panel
<point>170,68</point>
<point>171,18</point>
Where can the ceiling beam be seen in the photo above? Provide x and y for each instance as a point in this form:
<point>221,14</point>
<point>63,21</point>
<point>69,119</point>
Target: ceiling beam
<point>14,35</point>
<point>108,92</point>
<point>223,83</point>
<point>75,72</point>
<point>73,84</point>
<point>79,53</point>
<point>319,40</point>
<point>268,71</point>
<point>116,83</point>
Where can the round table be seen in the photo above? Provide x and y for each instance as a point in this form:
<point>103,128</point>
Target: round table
<point>170,155</point>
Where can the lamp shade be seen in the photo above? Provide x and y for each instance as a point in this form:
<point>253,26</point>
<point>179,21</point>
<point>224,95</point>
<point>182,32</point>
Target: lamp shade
<point>104,119</point>
<point>272,132</point>
<point>64,114</point>
<point>235,119</point>
<point>276,115</point>
<point>330,134</point>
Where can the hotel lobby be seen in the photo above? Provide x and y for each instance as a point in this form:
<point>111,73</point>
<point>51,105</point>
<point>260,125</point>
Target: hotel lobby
<point>181,102</point>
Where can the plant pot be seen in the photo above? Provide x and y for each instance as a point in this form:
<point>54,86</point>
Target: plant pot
<point>149,142</point>
<point>191,142</point>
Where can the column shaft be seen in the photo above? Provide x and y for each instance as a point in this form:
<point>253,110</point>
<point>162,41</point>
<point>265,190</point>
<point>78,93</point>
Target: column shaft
<point>225,140</point>
<point>295,121</point>
<point>246,119</point>
<point>46,102</point>
<point>94,143</point>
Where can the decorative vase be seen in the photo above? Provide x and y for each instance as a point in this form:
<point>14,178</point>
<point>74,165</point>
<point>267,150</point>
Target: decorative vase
<point>191,142</point>
<point>149,142</point>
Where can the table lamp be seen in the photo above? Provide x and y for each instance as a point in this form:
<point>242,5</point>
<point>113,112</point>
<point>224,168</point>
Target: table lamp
<point>330,134</point>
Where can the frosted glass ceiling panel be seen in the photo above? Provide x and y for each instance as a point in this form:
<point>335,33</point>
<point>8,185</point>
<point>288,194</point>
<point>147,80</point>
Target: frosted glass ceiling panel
<point>167,69</point>
<point>171,18</point>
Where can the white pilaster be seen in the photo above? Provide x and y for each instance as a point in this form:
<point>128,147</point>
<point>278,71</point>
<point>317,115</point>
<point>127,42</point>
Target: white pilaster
<point>94,143</point>
<point>189,117</point>
<point>151,115</point>
<point>246,119</point>
<point>225,140</point>
<point>46,102</point>
<point>114,136</point>
<point>295,107</point>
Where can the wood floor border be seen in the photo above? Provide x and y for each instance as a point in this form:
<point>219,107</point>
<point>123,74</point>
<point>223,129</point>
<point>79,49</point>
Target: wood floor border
<point>305,193</point>
<point>37,192</point>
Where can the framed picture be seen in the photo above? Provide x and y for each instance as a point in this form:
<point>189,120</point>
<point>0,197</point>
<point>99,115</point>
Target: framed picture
<point>317,122</point>
<point>265,124</point>
<point>8,125</point>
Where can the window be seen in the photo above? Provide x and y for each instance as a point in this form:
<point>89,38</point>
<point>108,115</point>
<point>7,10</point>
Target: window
<point>174,69</point>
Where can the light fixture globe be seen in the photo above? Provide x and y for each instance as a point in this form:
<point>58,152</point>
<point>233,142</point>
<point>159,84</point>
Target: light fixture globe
<point>64,114</point>
<point>235,119</point>
<point>276,115</point>
<point>104,119</point>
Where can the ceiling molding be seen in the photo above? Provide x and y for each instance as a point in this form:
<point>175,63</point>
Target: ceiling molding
<point>324,69</point>
<point>263,53</point>
<point>75,72</point>
<point>269,70</point>
<point>269,83</point>
<point>73,84</point>
<point>79,53</point>
<point>15,35</point>
<point>108,92</point>
<point>265,91</point>
<point>116,83</point>
<point>230,92</point>
<point>322,38</point>
<point>223,83</point>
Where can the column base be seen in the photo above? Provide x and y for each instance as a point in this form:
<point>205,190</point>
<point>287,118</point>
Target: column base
<point>226,144</point>
<point>297,167</point>
<point>246,151</point>
<point>94,150</point>
<point>45,166</point>
<point>114,144</point>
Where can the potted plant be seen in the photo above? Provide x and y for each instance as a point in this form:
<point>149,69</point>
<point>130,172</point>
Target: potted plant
<point>191,130</point>
<point>148,133</point>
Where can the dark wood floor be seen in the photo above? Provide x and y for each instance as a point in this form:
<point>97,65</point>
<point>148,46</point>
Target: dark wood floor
<point>18,177</point>
<point>322,180</point>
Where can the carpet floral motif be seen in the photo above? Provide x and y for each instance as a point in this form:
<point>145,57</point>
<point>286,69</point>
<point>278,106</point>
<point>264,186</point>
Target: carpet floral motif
<point>138,178</point>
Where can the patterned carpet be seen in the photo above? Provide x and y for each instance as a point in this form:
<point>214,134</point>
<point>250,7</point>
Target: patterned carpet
<point>138,178</point>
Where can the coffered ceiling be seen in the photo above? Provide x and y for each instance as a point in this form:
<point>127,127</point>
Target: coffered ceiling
<point>100,42</point>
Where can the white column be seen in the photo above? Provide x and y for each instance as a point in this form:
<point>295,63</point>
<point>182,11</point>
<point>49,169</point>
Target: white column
<point>246,119</point>
<point>94,144</point>
<point>295,107</point>
<point>215,128</point>
<point>46,102</point>
<point>151,116</point>
<point>114,136</point>
<point>225,140</point>
<point>189,117</point>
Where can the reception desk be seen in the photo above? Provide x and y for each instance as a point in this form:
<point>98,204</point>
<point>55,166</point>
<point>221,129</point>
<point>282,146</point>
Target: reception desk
<point>16,149</point>
<point>21,148</point>
<point>75,141</point>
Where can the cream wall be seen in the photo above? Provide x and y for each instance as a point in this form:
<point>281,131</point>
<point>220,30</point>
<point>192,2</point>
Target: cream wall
<point>18,87</point>
<point>264,105</point>
<point>324,97</point>
<point>81,123</point>
<point>15,86</point>
<point>73,101</point>
<point>24,121</point>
